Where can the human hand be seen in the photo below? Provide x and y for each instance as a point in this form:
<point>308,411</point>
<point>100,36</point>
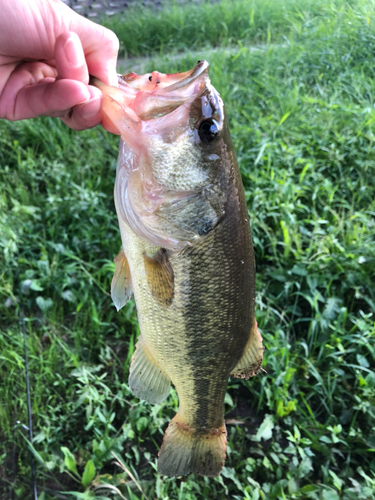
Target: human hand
<point>47,52</point>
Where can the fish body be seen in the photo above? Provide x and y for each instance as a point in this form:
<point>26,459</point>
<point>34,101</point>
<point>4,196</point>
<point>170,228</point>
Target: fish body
<point>187,257</point>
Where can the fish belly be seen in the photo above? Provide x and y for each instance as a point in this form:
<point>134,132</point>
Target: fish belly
<point>198,337</point>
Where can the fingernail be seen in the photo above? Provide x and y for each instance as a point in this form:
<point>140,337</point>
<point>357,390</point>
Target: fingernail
<point>113,79</point>
<point>90,108</point>
<point>73,56</point>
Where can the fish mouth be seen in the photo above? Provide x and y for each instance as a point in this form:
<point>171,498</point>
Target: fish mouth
<point>155,95</point>
<point>156,81</point>
<point>141,99</point>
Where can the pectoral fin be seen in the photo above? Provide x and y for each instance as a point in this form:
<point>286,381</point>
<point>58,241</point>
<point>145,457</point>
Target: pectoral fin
<point>121,288</point>
<point>147,380</point>
<point>251,361</point>
<point>160,277</point>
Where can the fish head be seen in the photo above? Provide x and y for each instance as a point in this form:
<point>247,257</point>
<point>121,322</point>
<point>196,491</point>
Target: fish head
<point>173,165</point>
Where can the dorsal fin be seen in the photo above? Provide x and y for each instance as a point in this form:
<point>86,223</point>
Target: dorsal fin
<point>252,357</point>
<point>160,277</point>
<point>121,288</point>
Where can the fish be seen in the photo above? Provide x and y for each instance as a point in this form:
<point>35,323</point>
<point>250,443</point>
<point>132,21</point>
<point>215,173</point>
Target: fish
<point>187,257</point>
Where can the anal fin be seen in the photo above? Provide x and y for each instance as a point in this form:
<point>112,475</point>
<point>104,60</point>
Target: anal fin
<point>147,380</point>
<point>251,361</point>
<point>121,288</point>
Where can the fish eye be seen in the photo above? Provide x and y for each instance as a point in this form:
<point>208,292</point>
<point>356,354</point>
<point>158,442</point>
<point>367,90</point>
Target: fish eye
<point>207,131</point>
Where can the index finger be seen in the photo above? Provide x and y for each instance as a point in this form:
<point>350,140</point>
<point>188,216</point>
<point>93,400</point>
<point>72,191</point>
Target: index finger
<point>100,46</point>
<point>70,59</point>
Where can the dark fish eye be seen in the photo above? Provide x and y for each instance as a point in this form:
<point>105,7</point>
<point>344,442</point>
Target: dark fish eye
<point>207,131</point>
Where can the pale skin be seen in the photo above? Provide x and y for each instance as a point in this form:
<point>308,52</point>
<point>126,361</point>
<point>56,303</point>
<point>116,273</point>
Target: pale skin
<point>47,53</point>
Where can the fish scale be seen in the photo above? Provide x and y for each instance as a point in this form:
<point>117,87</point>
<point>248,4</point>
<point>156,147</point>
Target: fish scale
<point>187,257</point>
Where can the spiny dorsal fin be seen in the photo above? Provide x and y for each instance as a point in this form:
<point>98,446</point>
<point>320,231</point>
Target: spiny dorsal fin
<point>251,361</point>
<point>147,380</point>
<point>121,288</point>
<point>160,277</point>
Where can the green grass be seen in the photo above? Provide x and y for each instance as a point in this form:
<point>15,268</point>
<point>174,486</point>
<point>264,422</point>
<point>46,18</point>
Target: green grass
<point>302,118</point>
<point>193,27</point>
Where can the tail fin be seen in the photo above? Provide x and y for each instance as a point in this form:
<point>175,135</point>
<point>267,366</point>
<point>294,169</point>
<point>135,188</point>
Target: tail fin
<point>186,450</point>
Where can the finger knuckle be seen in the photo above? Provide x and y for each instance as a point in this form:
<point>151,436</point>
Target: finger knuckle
<point>112,41</point>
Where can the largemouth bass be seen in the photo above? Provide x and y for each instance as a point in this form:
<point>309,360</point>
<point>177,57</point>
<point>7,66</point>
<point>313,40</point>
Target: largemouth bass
<point>187,257</point>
